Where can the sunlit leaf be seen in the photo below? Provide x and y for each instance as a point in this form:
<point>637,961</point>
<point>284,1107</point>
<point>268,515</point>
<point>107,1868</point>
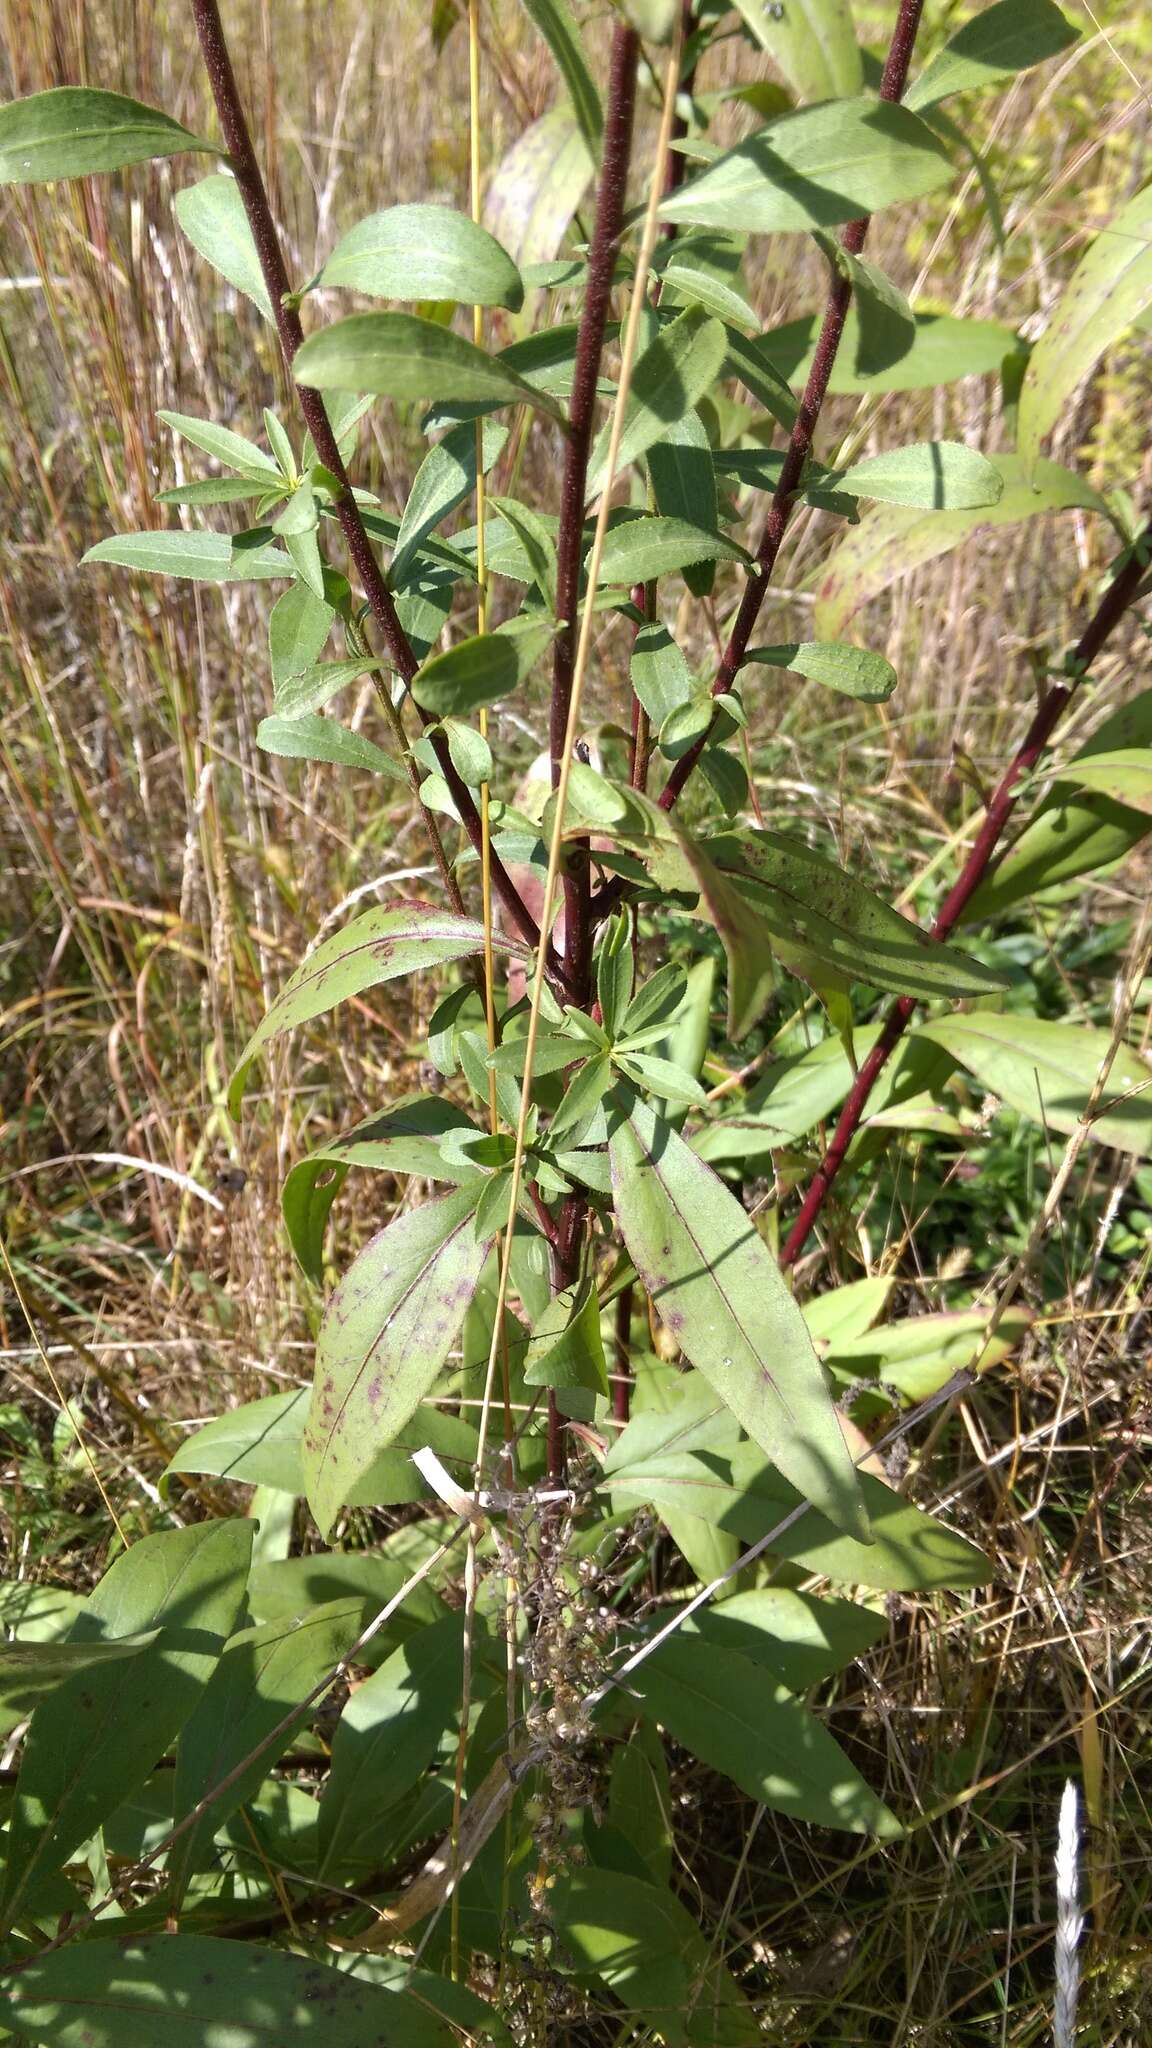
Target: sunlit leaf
<point>74,130</point>
<point>424,252</point>
<point>213,218</point>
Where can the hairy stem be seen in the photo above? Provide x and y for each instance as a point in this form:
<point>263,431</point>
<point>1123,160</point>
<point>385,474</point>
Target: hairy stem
<point>610,196</point>
<point>1107,616</point>
<point>246,168</point>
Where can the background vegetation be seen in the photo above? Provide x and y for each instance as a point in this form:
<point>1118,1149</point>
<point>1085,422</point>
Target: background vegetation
<point>161,875</point>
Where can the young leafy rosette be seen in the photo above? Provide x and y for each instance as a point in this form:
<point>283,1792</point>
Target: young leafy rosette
<point>717,1289</point>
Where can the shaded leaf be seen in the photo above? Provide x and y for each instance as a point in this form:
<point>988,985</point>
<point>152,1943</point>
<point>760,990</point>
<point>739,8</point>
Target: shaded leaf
<point>189,1989</point>
<point>1125,775</point>
<point>263,1673</point>
<point>565,1349</point>
<point>640,1943</point>
<point>816,168</point>
<point>387,1736</point>
<point>798,1638</point>
<point>945,349</point>
<point>715,1285</point>
<point>404,1139</point>
<point>1000,41</point>
<point>444,479</point>
<point>672,374</point>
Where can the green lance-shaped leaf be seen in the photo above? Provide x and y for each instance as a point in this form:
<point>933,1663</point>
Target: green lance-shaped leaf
<point>815,169</point>
<point>385,1335</point>
<point>941,476</point>
<point>84,1754</point>
<point>640,1799</point>
<point>1110,287</point>
<point>212,216</point>
<point>813,43</point>
<point>660,674</point>
<point>885,325</point>
<point>199,557</point>
<point>556,24</point>
<point>424,252</point>
<point>388,1734</point>
<point>1125,774</point>
<point>298,628</point>
<point>536,187</point>
<point>404,1139</point>
<point>944,349</point>
<point>73,131</point>
<point>263,1673</point>
<point>798,1638</point>
<point>260,1444</point>
<point>670,377</point>
<point>736,1717</point>
<point>639,550</point>
<point>1047,1071</point>
<point>235,451</point>
<point>718,1289</point>
<point>29,1671</point>
<point>639,1942</point>
<point>1072,834</point>
<point>478,671</point>
<point>691,1461</point>
<point>382,945</point>
<point>894,539</point>
<point>445,478</point>
<point>190,1989</point>
<point>919,1354</point>
<point>305,737</point>
<point>566,1349</point>
<point>853,671</point>
<point>997,43</point>
<point>816,908</point>
<point>398,355</point>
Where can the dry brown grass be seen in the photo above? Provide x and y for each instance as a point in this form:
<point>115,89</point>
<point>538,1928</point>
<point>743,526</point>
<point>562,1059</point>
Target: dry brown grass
<point>160,876</point>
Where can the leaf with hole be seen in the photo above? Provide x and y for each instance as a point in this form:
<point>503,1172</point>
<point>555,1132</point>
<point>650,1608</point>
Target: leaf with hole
<point>381,945</point>
<point>424,252</point>
<point>385,1334</point>
<point>1047,1071</point>
<point>212,216</point>
<point>399,355</point>
<point>816,168</point>
<point>73,131</point>
<point>718,1290</point>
